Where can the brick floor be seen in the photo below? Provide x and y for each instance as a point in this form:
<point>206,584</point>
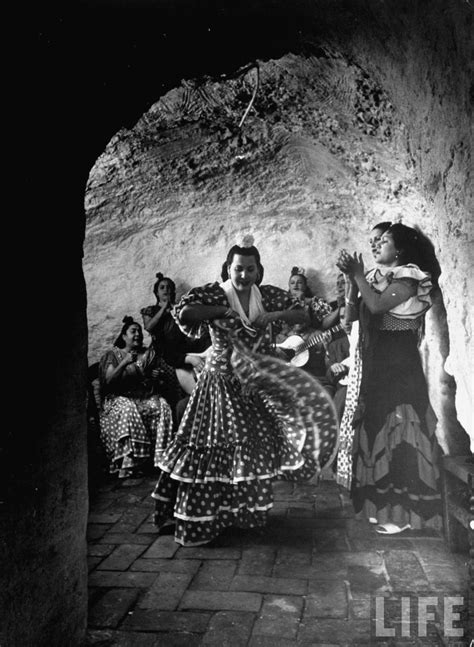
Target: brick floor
<point>317,577</point>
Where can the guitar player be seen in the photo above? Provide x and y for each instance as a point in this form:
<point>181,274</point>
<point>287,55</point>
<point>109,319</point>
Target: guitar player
<point>333,345</point>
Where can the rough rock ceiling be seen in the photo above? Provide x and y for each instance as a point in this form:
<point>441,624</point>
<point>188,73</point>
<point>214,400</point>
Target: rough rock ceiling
<point>319,131</point>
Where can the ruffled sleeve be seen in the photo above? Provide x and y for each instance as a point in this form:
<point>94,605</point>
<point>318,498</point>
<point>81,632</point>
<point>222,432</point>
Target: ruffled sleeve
<point>208,295</point>
<point>414,306</point>
<point>274,299</point>
<point>318,308</point>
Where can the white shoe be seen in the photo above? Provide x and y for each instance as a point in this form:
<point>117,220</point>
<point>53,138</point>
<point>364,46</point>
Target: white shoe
<point>390,528</point>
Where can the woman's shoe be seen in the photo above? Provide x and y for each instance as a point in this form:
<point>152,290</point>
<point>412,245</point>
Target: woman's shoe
<point>391,528</point>
<point>166,527</point>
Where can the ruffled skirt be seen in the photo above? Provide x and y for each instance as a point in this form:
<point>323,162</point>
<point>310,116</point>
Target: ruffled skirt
<point>396,454</point>
<point>135,430</point>
<point>233,441</point>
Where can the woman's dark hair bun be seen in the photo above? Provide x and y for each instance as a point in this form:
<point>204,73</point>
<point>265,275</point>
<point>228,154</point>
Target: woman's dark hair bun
<point>159,276</point>
<point>128,319</point>
<point>295,270</point>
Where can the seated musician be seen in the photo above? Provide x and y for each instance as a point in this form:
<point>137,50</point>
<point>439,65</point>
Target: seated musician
<point>321,314</point>
<point>322,317</point>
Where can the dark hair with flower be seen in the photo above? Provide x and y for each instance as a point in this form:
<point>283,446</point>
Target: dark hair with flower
<point>161,277</point>
<point>247,248</point>
<point>299,271</point>
<point>127,322</point>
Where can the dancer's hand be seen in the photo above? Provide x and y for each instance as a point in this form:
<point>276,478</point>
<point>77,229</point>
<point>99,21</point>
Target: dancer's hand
<point>195,360</point>
<point>264,319</point>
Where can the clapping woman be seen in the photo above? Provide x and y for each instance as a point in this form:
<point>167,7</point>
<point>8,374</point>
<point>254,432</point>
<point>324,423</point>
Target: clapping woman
<point>395,477</point>
<point>354,362</point>
<point>135,422</point>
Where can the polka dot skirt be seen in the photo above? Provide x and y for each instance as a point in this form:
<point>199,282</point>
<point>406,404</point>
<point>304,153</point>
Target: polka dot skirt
<point>134,430</point>
<point>250,419</point>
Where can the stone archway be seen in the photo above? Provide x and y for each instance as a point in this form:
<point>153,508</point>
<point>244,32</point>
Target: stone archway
<point>320,157</point>
<point>101,68</point>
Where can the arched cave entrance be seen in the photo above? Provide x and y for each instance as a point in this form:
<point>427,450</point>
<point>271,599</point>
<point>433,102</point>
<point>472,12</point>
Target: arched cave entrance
<point>364,110</point>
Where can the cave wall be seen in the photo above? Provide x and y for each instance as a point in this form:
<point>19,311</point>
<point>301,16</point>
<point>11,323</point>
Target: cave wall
<point>338,138</point>
<point>92,71</point>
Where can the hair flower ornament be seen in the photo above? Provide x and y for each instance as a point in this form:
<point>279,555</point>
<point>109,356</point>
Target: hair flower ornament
<point>298,270</point>
<point>247,241</point>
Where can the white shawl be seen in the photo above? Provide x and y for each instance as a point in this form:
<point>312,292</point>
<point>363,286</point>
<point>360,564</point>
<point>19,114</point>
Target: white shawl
<point>255,304</point>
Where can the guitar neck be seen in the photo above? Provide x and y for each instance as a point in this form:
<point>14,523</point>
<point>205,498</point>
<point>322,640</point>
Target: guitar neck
<point>317,338</point>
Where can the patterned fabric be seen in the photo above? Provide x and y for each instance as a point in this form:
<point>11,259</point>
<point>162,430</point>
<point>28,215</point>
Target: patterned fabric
<point>346,433</point>
<point>406,316</point>
<point>396,453</point>
<point>135,423</point>
<point>250,419</point>
<point>317,308</point>
<point>388,426</point>
<point>129,429</point>
<point>389,322</point>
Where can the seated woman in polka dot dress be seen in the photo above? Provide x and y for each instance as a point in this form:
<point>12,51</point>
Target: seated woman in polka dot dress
<point>135,422</point>
<point>231,442</point>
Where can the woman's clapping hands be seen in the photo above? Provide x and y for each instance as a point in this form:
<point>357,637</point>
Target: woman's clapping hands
<point>351,265</point>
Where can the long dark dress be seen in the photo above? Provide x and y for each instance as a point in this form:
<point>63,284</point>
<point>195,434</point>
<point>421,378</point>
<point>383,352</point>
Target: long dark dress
<point>239,430</point>
<point>395,454</point>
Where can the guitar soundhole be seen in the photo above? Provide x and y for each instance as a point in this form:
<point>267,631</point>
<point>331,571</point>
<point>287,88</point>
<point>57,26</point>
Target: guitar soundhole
<point>289,353</point>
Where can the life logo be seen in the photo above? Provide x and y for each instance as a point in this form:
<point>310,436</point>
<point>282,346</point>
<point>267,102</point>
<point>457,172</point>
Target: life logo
<point>414,616</point>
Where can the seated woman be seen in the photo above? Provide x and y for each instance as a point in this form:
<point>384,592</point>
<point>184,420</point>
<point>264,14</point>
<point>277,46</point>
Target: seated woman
<point>312,359</point>
<point>320,318</point>
<point>320,312</point>
<point>185,356</point>
<point>133,415</point>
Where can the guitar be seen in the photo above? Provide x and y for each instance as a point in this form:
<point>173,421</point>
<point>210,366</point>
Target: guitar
<point>296,348</point>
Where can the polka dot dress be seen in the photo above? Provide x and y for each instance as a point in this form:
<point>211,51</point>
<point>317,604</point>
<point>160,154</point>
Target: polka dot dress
<point>250,419</point>
<point>130,428</point>
<point>346,436</point>
<point>136,426</point>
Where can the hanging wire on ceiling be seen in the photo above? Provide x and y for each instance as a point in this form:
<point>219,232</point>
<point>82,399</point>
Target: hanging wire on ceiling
<point>242,72</point>
<point>255,90</point>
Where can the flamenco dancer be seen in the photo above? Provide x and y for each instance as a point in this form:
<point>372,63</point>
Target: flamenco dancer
<point>251,417</point>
